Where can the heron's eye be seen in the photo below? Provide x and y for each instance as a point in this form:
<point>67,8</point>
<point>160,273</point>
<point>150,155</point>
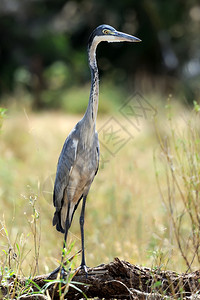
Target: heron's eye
<point>106,31</point>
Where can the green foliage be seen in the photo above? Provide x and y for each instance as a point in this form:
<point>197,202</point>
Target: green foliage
<point>180,156</point>
<point>12,258</point>
<point>75,100</point>
<point>22,76</point>
<point>2,116</point>
<point>58,32</point>
<point>196,107</point>
<point>57,75</point>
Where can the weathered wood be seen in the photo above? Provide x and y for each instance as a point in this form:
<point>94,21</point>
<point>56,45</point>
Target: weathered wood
<point>121,280</point>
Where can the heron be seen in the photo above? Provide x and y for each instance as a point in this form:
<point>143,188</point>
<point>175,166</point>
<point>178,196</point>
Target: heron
<point>79,159</point>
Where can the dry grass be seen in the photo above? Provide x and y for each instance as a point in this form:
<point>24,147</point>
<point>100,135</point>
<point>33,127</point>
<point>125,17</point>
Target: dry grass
<point>125,215</point>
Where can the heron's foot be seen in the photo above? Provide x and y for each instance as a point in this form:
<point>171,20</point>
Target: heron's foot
<point>61,270</point>
<point>84,268</point>
<point>64,273</point>
<point>54,272</point>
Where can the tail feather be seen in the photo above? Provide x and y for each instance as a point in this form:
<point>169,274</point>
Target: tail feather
<point>60,215</point>
<point>57,221</point>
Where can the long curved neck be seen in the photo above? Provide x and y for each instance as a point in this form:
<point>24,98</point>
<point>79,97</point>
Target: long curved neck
<point>92,109</point>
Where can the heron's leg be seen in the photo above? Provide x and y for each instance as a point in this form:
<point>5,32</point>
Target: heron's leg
<point>61,267</point>
<point>83,265</point>
<point>67,226</point>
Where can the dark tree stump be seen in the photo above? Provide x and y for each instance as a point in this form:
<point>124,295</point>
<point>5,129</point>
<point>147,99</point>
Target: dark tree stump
<point>121,280</point>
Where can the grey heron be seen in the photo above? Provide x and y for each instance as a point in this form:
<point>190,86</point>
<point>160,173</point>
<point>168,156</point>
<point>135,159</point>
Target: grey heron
<point>79,159</point>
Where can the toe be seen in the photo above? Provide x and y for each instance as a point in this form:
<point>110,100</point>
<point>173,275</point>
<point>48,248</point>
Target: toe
<point>85,268</point>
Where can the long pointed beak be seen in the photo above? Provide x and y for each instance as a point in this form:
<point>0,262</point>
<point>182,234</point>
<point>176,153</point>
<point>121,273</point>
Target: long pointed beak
<point>124,37</point>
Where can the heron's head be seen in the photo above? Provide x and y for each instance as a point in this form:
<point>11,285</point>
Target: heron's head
<point>109,34</point>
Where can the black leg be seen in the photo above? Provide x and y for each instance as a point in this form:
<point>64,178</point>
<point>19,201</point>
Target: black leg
<point>83,265</point>
<point>61,267</point>
<point>67,226</point>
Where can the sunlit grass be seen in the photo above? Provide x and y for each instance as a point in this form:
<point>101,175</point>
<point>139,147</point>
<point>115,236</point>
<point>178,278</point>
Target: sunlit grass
<point>125,216</point>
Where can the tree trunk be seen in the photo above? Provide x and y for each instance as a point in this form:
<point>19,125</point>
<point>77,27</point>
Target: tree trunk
<point>117,280</point>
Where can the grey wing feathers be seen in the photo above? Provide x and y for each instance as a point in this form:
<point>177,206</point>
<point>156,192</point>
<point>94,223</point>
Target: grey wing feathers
<point>65,164</point>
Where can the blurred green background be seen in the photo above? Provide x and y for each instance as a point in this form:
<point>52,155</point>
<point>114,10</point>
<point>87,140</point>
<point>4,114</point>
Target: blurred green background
<point>43,57</point>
